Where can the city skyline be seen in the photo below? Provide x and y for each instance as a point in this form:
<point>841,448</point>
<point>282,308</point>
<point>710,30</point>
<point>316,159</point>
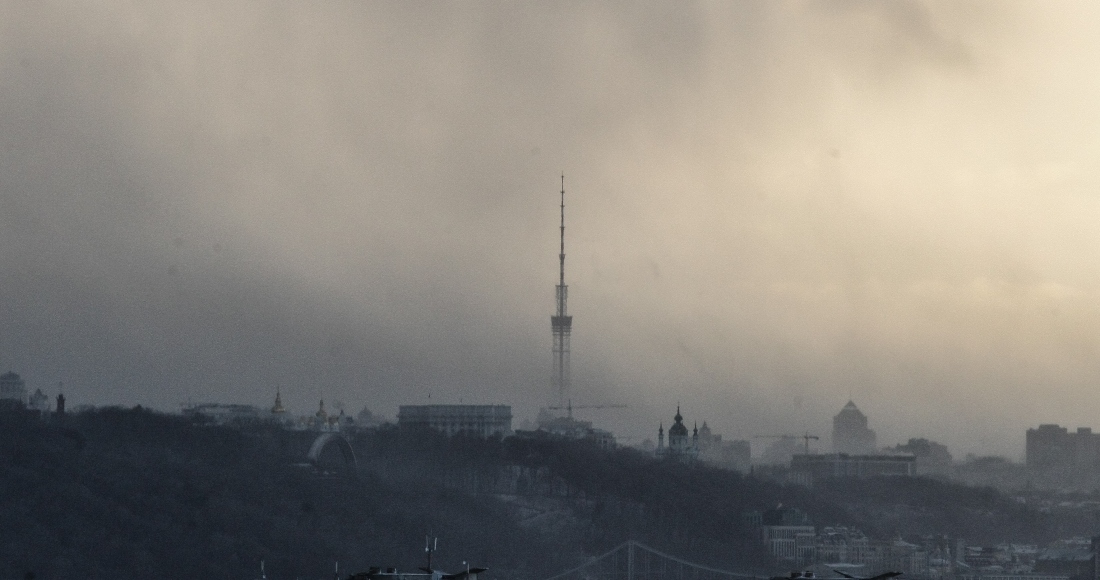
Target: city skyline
<point>774,208</point>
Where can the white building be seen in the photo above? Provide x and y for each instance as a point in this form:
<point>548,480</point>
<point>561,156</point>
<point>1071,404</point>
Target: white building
<point>790,543</point>
<point>479,420</point>
<point>570,428</point>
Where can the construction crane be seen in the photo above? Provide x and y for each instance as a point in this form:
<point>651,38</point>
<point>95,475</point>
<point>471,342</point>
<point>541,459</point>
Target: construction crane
<point>569,407</point>
<point>805,437</point>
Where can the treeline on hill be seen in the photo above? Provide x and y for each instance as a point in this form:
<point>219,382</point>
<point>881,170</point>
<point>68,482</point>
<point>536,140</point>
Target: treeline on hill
<point>129,493</point>
<point>919,506</point>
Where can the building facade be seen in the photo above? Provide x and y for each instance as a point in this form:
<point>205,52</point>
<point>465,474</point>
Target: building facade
<point>479,420</point>
<point>788,534</point>
<point>734,454</point>
<point>809,468</point>
<point>570,428</point>
<point>1054,448</point>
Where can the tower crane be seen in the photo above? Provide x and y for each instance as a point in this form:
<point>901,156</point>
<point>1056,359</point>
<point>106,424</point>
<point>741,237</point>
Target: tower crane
<point>569,407</point>
<point>805,437</point>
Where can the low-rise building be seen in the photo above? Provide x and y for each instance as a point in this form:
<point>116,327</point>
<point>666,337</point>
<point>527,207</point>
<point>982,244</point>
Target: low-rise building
<point>569,428</point>
<point>221,413</point>
<point>479,420</point>
<point>994,575</point>
<point>1070,558</point>
<point>734,454</point>
<point>840,544</point>
<point>806,468</point>
<point>788,534</point>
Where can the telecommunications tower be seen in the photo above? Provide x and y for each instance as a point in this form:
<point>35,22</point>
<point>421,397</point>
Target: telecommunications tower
<point>561,323</point>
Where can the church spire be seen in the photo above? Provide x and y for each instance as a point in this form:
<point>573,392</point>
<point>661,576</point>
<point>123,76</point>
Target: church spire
<point>278,408</point>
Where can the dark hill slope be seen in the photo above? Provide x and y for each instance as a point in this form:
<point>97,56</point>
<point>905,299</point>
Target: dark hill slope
<point>695,511</point>
<point>910,507</point>
<point>132,494</point>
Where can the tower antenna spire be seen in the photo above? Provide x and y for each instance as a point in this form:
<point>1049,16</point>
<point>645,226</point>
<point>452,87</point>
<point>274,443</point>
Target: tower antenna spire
<point>561,255</point>
<point>561,323</point>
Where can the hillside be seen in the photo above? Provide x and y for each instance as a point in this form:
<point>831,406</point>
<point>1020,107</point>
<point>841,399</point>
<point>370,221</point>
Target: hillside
<point>131,493</point>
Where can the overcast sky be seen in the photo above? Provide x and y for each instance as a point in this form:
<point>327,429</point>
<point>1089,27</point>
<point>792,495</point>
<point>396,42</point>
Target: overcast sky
<point>771,208</point>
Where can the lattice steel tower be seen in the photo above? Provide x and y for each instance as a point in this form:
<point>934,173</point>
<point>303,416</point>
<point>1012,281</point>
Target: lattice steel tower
<point>561,323</point>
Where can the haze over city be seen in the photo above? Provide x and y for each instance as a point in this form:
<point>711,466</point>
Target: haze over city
<point>771,208</point>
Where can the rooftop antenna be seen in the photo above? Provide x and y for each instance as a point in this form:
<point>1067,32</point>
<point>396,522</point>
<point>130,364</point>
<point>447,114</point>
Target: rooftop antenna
<point>561,323</point>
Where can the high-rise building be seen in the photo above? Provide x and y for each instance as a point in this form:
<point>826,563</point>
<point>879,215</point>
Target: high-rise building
<point>850,431</point>
<point>1055,448</point>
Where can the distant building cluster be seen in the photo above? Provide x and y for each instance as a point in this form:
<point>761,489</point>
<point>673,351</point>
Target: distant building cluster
<point>734,454</point>
<point>235,414</point>
<point>701,444</point>
<point>855,454</point>
<point>14,397</point>
<point>792,539</point>
<point>475,420</point>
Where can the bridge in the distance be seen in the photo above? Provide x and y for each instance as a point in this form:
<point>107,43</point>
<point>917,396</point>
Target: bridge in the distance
<point>635,561</point>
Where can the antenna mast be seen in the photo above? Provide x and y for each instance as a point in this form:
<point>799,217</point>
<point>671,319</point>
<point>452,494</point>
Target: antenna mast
<point>561,323</point>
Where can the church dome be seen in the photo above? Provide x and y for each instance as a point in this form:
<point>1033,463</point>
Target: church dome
<point>678,427</point>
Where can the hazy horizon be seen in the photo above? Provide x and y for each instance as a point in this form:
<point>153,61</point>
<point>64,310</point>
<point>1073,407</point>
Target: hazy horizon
<point>771,207</point>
